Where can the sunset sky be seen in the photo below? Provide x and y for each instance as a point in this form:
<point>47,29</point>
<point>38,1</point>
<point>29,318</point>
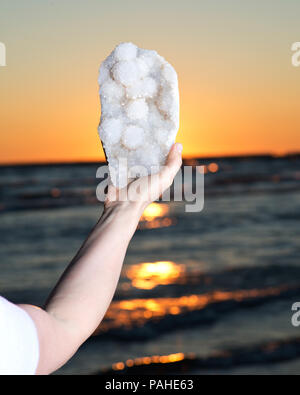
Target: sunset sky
<point>239,92</point>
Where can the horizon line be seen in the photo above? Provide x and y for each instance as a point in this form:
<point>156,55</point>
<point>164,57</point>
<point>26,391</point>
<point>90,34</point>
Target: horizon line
<point>186,157</point>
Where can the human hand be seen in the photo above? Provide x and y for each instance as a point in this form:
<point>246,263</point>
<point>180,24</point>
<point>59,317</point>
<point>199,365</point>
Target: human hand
<point>142,191</point>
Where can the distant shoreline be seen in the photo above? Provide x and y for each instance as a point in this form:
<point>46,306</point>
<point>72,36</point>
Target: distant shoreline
<point>266,156</point>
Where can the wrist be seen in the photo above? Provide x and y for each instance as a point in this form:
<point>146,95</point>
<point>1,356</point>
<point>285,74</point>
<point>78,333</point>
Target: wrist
<point>133,208</point>
<point>122,216</point>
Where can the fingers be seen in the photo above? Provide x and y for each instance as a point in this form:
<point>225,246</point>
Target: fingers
<point>174,160</point>
<point>111,194</point>
<point>151,186</point>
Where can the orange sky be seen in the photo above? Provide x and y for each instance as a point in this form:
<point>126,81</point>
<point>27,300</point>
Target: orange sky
<point>239,92</point>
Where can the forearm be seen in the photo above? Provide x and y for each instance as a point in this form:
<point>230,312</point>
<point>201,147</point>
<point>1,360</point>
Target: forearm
<point>79,301</point>
<point>85,290</point>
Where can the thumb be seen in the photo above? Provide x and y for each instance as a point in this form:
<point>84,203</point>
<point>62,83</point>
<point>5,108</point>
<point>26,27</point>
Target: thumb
<point>174,160</point>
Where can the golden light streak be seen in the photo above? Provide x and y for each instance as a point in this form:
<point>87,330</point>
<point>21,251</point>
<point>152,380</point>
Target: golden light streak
<point>136,312</point>
<point>148,275</point>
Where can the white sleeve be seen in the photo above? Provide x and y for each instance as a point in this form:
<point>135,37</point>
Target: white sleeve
<point>19,345</point>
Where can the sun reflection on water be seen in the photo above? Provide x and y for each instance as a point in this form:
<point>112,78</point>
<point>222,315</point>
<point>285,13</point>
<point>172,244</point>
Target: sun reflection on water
<point>155,210</point>
<point>148,275</point>
<point>171,358</point>
<point>136,312</point>
<point>155,216</point>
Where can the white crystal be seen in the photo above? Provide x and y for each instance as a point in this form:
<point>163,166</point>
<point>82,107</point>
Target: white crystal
<point>125,51</point>
<point>111,130</point>
<point>146,87</point>
<point>133,137</point>
<point>126,72</point>
<point>139,110</point>
<point>111,90</point>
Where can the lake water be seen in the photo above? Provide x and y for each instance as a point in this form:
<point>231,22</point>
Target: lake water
<point>206,293</point>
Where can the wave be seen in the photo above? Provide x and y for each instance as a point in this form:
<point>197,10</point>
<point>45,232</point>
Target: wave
<point>194,299</point>
<point>139,319</point>
<point>57,185</point>
<point>257,354</point>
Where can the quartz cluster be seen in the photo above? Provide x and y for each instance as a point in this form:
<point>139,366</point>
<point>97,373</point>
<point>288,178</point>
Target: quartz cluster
<point>139,111</point>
